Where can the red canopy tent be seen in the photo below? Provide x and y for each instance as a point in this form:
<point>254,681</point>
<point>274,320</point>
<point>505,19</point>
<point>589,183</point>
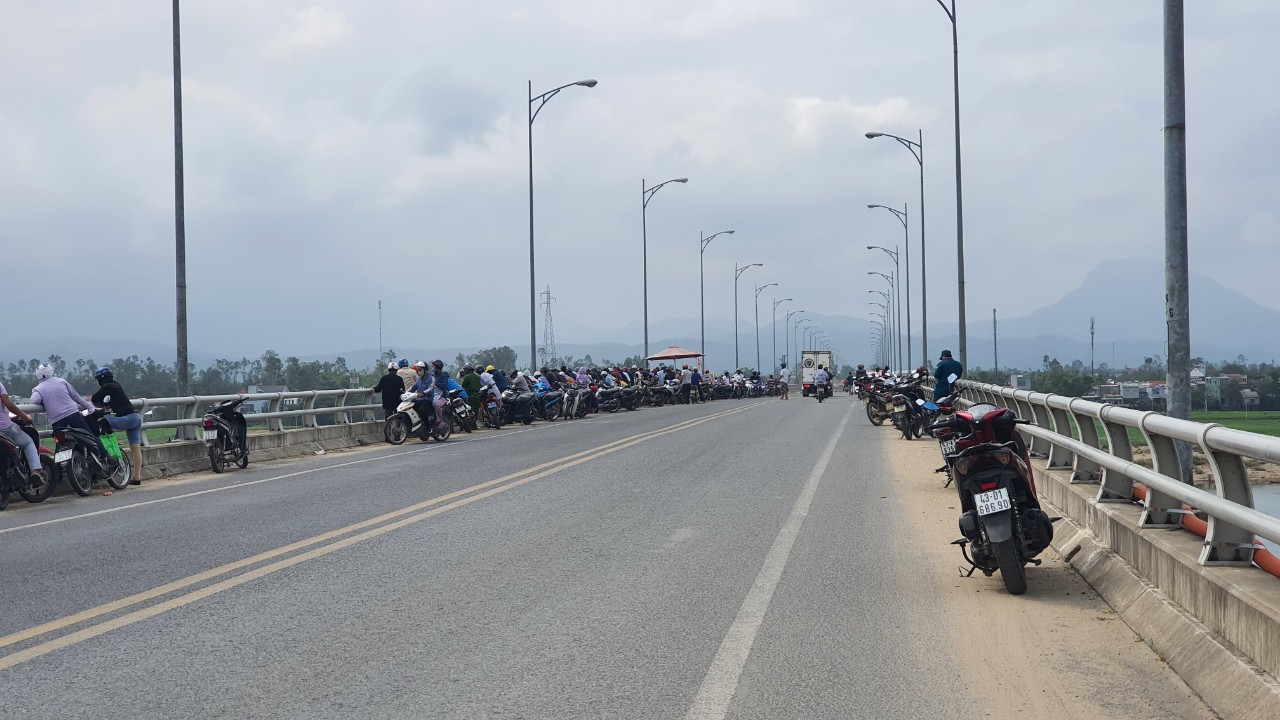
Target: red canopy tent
<point>675,352</point>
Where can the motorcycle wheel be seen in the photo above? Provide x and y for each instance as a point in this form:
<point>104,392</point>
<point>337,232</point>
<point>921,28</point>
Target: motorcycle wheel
<point>42,493</point>
<point>613,408</point>
<point>119,480</point>
<point>79,476</point>
<point>4,498</point>
<point>464,423</point>
<point>216,461</point>
<point>242,462</point>
<point>1012,571</point>
<point>396,429</point>
<point>918,429</point>
<point>445,433</point>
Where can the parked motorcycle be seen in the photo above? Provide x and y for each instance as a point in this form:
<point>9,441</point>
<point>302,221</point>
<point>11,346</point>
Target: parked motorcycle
<point>459,412</point>
<point>631,398</point>
<point>15,476</point>
<point>550,403</point>
<point>879,405</point>
<point>519,406</point>
<point>490,411</point>
<point>407,420</point>
<point>1001,522</point>
<point>75,454</point>
<point>226,435</point>
<point>609,399</point>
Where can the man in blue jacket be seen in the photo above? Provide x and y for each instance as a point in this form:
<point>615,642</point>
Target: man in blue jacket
<point>947,366</point>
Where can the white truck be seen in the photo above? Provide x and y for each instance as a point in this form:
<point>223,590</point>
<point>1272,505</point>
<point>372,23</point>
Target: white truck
<point>809,362</point>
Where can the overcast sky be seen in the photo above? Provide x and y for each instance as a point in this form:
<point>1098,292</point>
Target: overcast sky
<point>338,153</point>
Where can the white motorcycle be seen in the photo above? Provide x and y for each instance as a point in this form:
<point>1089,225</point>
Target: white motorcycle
<point>407,421</point>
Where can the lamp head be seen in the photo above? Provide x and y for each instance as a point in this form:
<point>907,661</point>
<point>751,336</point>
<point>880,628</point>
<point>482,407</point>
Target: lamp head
<point>872,135</point>
<point>586,83</point>
<point>728,232</point>
<point>681,180</point>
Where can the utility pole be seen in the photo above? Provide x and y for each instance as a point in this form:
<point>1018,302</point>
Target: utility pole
<point>995,339</point>
<point>1092,372</point>
<point>179,206</point>
<point>1177,299</point>
<point>377,367</point>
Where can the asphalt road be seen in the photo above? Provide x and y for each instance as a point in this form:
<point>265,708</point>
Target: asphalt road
<point>741,559</point>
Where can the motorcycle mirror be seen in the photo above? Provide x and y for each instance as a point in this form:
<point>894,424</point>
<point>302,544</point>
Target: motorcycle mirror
<point>919,401</point>
<point>106,400</point>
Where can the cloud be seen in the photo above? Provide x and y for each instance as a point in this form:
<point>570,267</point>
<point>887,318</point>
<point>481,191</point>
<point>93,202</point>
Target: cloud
<point>312,28</point>
<point>1261,230</point>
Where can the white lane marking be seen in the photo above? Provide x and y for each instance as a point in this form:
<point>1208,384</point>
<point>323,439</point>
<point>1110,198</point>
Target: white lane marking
<point>250,483</point>
<point>721,681</point>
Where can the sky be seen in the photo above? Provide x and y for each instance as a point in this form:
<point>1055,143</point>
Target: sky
<point>342,153</point>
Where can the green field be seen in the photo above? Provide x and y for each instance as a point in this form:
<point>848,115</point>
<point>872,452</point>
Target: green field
<point>1265,423</point>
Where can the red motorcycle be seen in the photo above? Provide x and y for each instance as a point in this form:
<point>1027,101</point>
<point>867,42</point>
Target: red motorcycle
<point>15,476</point>
<point>1001,522</point>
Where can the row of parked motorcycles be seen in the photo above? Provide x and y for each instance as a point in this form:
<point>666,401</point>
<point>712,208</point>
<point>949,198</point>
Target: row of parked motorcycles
<point>74,457</point>
<point>1002,525</point>
<point>415,417</point>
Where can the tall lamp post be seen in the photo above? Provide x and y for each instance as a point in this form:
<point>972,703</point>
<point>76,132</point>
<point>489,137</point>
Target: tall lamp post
<point>890,330</point>
<point>917,150</point>
<point>787,338</point>
<point>796,337</point>
<point>759,289</point>
<point>541,100</point>
<point>897,299</point>
<point>892,326</point>
<point>179,213</point>
<point>955,78</point>
<point>646,194</point>
<point>737,273</point>
<point>906,261</point>
<point>774,327</point>
<point>703,242</point>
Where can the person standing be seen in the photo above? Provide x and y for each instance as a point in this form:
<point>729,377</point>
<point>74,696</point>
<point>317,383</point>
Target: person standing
<point>695,387</point>
<point>122,417</point>
<point>686,383</point>
<point>392,387</point>
<point>19,437</point>
<point>784,378</point>
<point>947,367</point>
<point>472,384</point>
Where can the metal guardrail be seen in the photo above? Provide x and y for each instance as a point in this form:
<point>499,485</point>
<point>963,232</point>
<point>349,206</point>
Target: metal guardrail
<point>191,409</point>
<point>1066,433</point>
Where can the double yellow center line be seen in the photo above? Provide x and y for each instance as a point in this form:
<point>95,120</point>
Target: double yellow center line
<point>320,545</point>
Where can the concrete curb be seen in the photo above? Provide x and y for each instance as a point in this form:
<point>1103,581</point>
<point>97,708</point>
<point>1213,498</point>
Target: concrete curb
<point>1230,682</point>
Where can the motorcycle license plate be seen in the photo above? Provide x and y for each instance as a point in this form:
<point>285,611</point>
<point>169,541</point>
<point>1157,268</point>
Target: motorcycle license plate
<point>992,502</point>
<point>210,435</point>
<point>62,456</point>
<point>492,406</point>
<point>948,447</point>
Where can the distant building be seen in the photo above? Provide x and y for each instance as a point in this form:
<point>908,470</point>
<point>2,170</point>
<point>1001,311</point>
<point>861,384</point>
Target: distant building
<point>1020,382</point>
<point>1249,398</point>
<point>261,406</point>
<point>1197,375</point>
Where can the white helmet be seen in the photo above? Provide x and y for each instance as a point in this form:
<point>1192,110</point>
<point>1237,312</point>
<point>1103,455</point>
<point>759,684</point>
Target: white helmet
<point>44,372</point>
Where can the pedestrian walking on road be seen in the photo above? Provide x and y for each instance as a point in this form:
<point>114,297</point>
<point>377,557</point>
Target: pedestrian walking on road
<point>785,379</point>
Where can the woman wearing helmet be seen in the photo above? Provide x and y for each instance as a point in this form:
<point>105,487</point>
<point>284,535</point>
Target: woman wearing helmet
<point>122,417</point>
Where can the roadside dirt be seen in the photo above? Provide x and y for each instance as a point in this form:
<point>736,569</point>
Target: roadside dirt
<point>1059,651</point>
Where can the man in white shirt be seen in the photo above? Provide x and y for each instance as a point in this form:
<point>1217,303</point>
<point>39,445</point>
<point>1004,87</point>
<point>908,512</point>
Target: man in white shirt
<point>820,379</point>
<point>785,378</point>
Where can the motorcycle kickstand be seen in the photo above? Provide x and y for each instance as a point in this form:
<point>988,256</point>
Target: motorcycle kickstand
<point>962,542</point>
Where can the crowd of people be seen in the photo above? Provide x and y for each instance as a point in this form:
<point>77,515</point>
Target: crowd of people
<point>430,383</point>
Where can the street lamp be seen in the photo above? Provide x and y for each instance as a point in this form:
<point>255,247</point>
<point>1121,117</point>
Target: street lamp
<point>955,79</point>
<point>737,273</point>
<point>647,194</point>
<point>787,339</point>
<point>795,336</point>
<point>917,150</point>
<point>774,327</point>
<point>892,326</point>
<point>890,330</point>
<point>703,242</point>
<point>759,288</point>
<point>906,261</point>
<point>897,297</point>
<point>533,291</point>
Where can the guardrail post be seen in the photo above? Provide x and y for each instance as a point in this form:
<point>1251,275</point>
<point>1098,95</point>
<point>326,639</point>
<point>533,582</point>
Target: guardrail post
<point>1085,470</point>
<point>273,406</point>
<point>1225,543</point>
<point>1059,457</point>
<point>187,411</point>
<point>309,407</point>
<point>340,416</point>
<point>1115,486</point>
<point>1161,510</point>
<point>369,415</point>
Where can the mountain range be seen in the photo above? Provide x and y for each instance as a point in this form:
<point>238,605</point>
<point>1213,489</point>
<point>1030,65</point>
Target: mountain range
<point>1125,298</point>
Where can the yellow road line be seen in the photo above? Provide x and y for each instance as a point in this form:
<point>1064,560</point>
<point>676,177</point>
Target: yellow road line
<point>512,480</point>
